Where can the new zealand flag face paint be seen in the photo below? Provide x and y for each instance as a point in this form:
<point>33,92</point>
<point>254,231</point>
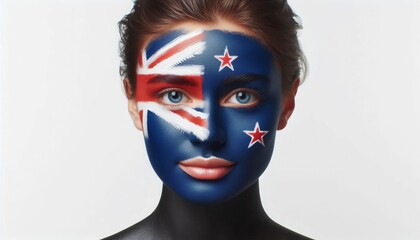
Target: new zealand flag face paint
<point>209,102</point>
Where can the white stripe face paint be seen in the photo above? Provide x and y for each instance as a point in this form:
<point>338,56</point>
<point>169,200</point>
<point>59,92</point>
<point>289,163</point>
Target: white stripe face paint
<point>174,119</point>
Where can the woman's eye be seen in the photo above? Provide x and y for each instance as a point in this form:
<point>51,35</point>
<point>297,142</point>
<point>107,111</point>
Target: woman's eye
<point>174,97</point>
<point>242,98</point>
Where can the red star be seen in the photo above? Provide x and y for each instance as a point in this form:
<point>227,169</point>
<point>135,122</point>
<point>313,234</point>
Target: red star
<point>225,60</point>
<point>256,136</point>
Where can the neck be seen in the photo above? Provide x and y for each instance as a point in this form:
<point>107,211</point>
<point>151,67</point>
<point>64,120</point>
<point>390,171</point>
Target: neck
<point>188,220</point>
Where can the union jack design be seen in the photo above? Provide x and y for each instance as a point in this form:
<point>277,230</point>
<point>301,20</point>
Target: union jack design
<point>166,61</point>
<point>167,58</point>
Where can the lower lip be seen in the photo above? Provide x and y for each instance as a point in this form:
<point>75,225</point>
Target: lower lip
<point>201,173</point>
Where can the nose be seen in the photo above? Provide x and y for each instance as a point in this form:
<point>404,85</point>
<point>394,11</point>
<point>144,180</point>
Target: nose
<point>216,134</point>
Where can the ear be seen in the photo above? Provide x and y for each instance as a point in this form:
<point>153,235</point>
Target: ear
<point>132,106</point>
<point>288,105</point>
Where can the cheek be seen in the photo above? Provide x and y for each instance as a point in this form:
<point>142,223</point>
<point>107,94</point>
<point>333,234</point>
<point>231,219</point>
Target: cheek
<point>251,133</point>
<point>166,145</point>
<point>165,137</point>
<point>251,160</point>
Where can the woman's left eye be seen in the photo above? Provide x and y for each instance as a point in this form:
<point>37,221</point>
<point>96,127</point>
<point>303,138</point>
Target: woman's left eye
<point>242,98</point>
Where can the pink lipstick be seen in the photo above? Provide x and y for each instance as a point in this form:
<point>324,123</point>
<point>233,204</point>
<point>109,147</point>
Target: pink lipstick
<point>200,168</point>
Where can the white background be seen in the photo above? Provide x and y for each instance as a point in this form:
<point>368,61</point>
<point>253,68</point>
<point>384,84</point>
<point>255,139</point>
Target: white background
<point>74,167</point>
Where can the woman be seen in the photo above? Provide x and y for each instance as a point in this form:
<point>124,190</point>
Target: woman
<point>208,83</point>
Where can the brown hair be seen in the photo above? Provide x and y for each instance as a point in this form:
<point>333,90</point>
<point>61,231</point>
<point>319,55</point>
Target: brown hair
<point>272,21</point>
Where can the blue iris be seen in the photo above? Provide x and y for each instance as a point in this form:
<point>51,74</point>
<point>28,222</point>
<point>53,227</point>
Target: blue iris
<point>243,97</point>
<point>175,96</point>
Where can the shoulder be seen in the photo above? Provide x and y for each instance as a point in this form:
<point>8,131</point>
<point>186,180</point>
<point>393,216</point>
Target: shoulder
<point>280,232</point>
<point>142,230</point>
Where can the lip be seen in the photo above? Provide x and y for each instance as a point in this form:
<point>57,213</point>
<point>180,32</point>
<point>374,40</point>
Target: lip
<point>212,168</point>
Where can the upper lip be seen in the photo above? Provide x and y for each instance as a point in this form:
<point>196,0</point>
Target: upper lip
<point>212,162</point>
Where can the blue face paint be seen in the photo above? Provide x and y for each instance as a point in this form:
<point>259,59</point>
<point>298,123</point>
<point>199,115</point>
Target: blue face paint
<point>210,103</point>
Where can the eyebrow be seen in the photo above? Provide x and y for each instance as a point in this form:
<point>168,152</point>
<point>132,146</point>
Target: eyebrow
<point>245,78</point>
<point>173,79</point>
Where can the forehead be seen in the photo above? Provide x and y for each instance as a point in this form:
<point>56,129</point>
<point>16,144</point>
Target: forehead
<point>250,55</point>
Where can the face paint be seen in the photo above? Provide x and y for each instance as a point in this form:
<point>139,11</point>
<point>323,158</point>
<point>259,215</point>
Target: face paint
<point>209,102</point>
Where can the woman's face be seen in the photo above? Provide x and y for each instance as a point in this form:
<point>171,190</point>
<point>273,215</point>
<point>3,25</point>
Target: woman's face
<point>209,102</point>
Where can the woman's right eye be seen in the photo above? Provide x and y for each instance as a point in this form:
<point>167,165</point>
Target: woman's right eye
<point>174,97</point>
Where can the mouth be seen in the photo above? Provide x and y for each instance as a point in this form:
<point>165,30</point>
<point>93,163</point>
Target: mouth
<point>212,168</point>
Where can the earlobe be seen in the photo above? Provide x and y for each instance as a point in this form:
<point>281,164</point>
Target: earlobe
<point>288,105</point>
